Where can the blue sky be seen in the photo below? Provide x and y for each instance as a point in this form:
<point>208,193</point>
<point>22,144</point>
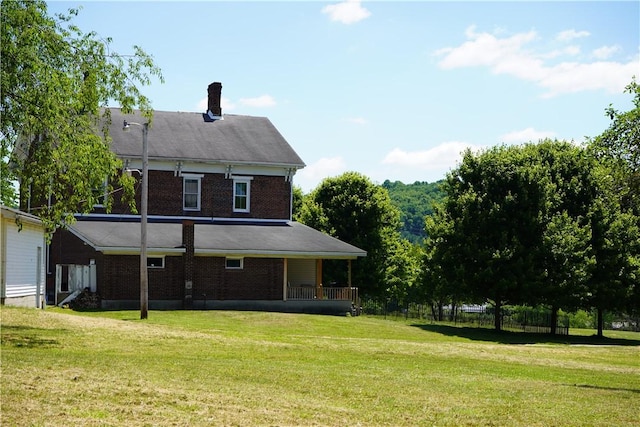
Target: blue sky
<point>393,90</point>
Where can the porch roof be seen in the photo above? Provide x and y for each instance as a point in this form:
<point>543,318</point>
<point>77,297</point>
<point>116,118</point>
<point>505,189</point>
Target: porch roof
<point>286,239</point>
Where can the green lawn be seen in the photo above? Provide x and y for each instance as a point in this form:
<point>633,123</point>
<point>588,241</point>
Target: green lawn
<point>209,368</point>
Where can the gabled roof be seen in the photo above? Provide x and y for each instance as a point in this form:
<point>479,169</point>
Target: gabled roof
<point>14,214</point>
<point>280,239</point>
<point>194,137</point>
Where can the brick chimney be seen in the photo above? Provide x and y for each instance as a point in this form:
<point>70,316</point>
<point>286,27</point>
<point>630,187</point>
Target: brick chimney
<point>214,91</point>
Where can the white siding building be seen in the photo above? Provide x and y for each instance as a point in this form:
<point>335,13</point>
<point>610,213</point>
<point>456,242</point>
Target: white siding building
<point>22,258</point>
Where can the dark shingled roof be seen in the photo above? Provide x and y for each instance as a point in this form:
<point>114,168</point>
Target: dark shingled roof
<point>194,137</point>
<point>281,239</point>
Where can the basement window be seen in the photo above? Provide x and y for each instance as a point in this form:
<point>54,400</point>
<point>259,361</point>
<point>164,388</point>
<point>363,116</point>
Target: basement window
<point>155,262</point>
<point>234,263</point>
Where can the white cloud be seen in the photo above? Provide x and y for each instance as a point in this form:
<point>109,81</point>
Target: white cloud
<point>526,135</point>
<point>309,177</point>
<point>225,104</point>
<point>347,12</point>
<point>605,52</point>
<point>571,77</point>
<point>260,101</point>
<point>484,49</point>
<point>568,35</point>
<point>441,157</point>
<point>513,56</point>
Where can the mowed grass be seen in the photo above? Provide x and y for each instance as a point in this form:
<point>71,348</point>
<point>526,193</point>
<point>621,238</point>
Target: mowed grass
<point>210,368</point>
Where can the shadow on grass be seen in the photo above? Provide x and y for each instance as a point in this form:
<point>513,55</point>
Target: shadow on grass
<point>511,337</point>
<point>595,387</point>
<point>27,337</point>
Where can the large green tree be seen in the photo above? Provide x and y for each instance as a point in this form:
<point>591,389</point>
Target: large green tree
<point>615,282</point>
<point>569,185</point>
<point>353,209</point>
<point>615,248</point>
<point>493,232</point>
<point>443,279</point>
<point>55,79</point>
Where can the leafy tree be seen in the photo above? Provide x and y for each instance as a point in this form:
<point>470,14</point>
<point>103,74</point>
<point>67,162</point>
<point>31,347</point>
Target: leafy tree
<point>615,217</point>
<point>569,188</point>
<point>615,242</point>
<point>297,201</point>
<point>619,147</point>
<point>8,194</point>
<point>494,232</point>
<point>443,279</point>
<point>55,80</point>
<point>402,269</point>
<point>567,262</point>
<point>353,209</point>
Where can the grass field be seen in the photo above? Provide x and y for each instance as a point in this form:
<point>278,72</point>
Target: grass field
<point>210,368</point>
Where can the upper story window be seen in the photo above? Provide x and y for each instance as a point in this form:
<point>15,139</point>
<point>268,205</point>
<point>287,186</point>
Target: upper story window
<point>241,193</point>
<point>101,194</point>
<point>191,189</point>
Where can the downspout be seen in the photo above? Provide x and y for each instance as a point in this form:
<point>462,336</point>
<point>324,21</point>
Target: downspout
<point>285,279</point>
<point>3,260</point>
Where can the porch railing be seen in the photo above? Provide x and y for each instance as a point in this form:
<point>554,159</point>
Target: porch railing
<point>313,293</point>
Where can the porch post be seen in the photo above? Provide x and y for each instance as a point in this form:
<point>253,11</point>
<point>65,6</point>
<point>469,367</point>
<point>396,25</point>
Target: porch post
<point>319,278</point>
<point>349,279</point>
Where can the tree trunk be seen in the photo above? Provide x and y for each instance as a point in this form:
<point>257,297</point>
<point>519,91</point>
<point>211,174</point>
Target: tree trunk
<point>498,315</point>
<point>440,311</point>
<point>600,322</point>
<point>452,313</point>
<point>554,320</point>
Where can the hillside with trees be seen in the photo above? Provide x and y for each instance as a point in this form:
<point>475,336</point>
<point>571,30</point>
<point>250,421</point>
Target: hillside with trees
<point>415,202</point>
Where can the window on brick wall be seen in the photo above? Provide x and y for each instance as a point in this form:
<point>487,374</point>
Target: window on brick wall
<point>155,262</point>
<point>234,263</point>
<point>241,194</point>
<point>191,192</point>
<point>101,194</point>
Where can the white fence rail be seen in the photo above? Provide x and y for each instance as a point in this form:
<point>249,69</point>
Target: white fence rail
<point>311,293</point>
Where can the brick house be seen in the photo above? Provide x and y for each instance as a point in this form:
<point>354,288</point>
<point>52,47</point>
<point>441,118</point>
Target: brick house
<point>219,233</point>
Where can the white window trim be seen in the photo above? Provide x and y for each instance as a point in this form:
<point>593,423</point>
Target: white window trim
<point>160,257</point>
<point>240,179</point>
<point>198,178</point>
<point>227,259</point>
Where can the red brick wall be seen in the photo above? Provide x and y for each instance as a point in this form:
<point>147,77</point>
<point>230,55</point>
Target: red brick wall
<point>121,280</point>
<point>270,197</point>
<point>260,279</point>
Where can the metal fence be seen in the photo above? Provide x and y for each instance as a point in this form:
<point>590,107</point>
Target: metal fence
<point>525,319</point>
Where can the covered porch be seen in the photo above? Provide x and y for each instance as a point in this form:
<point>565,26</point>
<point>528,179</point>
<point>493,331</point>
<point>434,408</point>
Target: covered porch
<point>303,282</point>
